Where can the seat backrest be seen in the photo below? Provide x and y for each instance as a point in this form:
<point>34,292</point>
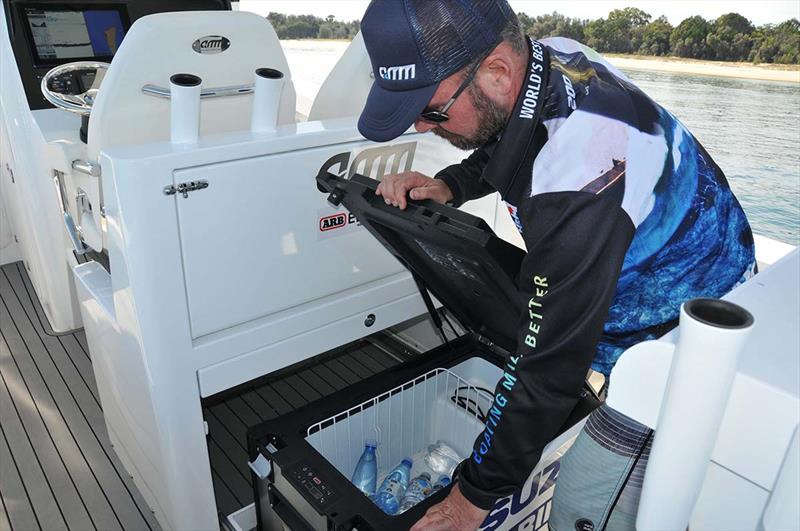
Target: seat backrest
<point>345,90</point>
<point>158,46</point>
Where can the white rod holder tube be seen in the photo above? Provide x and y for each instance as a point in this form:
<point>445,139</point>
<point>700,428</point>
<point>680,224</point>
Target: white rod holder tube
<point>266,99</point>
<point>184,108</point>
<point>712,334</point>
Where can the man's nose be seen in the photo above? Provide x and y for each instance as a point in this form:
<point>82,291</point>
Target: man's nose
<point>423,126</point>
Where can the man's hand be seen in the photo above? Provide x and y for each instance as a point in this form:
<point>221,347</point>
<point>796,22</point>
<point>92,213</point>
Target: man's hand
<point>394,188</point>
<point>455,513</point>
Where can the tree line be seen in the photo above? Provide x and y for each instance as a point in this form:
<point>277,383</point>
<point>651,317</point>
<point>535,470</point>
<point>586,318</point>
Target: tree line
<point>311,27</point>
<point>731,37</point>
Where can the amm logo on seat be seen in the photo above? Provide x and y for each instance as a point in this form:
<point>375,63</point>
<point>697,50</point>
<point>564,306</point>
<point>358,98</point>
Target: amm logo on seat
<point>211,44</point>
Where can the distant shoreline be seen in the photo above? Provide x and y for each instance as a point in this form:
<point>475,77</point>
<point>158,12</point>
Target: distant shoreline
<point>677,65</point>
<point>764,72</point>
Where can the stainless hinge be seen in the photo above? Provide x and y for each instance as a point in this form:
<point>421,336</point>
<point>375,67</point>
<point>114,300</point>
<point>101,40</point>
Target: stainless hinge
<point>185,188</point>
<point>87,167</point>
<point>82,202</point>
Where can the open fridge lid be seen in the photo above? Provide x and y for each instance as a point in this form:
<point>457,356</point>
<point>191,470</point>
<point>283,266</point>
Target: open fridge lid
<point>468,268</point>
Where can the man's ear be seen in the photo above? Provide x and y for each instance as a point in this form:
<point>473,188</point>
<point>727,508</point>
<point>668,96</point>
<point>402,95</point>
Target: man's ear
<point>498,73</point>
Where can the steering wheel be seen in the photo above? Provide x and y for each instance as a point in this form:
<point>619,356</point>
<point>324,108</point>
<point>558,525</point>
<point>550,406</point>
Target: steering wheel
<point>77,103</point>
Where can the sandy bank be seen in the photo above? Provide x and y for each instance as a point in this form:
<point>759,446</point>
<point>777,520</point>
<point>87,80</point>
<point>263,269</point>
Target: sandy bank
<point>785,73</point>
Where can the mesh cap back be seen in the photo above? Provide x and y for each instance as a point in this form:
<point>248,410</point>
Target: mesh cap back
<point>450,35</point>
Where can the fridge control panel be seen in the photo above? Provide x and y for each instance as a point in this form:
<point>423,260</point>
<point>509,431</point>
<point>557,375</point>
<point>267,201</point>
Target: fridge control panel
<point>306,477</point>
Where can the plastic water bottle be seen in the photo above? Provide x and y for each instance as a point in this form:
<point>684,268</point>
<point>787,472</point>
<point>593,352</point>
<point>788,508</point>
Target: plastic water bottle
<point>441,483</point>
<point>365,476</point>
<point>393,487</point>
<point>442,459</point>
<point>419,489</point>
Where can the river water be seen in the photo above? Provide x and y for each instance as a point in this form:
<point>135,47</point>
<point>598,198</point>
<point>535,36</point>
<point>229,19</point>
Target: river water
<point>750,128</point>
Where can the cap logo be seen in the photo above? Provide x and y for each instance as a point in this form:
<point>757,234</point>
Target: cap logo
<point>398,73</point>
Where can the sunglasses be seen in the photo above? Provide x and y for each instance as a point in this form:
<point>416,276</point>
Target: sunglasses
<point>440,116</point>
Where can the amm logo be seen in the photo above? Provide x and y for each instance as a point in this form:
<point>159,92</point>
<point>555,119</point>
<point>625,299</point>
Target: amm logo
<point>211,44</point>
<point>373,162</point>
<point>398,73</point>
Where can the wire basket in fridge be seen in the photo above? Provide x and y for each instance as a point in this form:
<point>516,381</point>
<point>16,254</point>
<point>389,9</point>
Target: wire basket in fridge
<point>304,461</point>
<point>436,406</point>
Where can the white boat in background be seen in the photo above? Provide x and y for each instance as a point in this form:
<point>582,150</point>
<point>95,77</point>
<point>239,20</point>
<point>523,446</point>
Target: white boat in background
<point>184,233</point>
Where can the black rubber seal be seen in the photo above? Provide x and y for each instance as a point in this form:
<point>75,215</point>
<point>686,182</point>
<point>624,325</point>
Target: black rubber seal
<point>719,313</point>
<point>185,80</point>
<point>84,130</point>
<point>269,73</point>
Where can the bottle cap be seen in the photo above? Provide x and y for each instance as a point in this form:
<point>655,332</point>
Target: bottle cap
<point>444,480</point>
<point>407,461</point>
<point>371,443</point>
<point>425,475</point>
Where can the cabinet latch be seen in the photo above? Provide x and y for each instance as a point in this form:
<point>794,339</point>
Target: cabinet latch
<point>185,188</point>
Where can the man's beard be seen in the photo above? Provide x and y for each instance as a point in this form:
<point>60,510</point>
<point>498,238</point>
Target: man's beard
<point>491,121</point>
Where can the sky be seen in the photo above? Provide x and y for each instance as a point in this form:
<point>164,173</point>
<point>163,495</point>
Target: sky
<point>759,12</point>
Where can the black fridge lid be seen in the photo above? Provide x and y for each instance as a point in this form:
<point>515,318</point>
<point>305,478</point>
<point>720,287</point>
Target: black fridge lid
<point>456,255</point>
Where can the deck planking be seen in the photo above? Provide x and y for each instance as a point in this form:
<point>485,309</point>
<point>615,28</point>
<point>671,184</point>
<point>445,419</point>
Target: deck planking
<point>59,470</point>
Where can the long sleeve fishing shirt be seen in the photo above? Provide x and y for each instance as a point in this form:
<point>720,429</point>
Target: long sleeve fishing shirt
<point>624,216</point>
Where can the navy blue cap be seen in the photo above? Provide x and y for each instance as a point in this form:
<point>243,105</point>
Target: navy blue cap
<point>413,45</point>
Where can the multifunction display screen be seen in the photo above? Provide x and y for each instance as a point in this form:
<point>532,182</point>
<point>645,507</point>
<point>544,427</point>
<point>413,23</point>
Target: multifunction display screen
<point>74,34</point>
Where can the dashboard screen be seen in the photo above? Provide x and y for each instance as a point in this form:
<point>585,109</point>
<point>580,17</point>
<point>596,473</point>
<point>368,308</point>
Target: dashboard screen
<point>61,34</point>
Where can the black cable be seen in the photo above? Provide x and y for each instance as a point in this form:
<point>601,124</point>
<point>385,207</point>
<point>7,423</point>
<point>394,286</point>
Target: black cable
<point>468,404</point>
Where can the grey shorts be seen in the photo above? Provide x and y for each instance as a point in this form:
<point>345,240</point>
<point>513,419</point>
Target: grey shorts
<point>601,475</point>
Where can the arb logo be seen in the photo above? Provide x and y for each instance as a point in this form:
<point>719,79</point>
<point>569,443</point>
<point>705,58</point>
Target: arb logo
<point>335,221</point>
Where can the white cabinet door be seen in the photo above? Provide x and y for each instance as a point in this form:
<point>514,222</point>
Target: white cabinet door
<point>262,239</point>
